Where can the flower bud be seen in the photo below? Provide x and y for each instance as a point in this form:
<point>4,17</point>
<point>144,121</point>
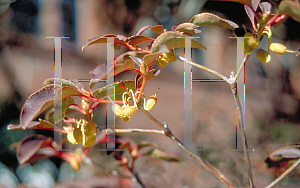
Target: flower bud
<point>278,48</point>
<point>85,104</point>
<point>129,111</point>
<point>247,49</point>
<point>170,56</point>
<point>263,56</point>
<point>143,69</point>
<point>77,134</point>
<point>71,138</point>
<point>118,110</point>
<point>90,128</point>
<point>126,119</point>
<point>265,17</point>
<point>151,102</point>
<point>252,41</point>
<point>90,141</point>
<point>162,62</point>
<point>74,163</point>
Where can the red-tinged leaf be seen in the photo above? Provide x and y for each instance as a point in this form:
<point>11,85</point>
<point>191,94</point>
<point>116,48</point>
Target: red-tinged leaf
<point>118,39</point>
<point>245,2</point>
<point>41,100</point>
<point>164,156</point>
<point>255,4</point>
<point>123,63</point>
<point>141,30</point>
<point>174,39</point>
<point>208,19</point>
<point>283,154</point>
<point>102,92</point>
<point>137,39</point>
<point>35,104</point>
<point>250,12</point>
<point>290,8</point>
<point>19,126</point>
<point>28,147</point>
<point>127,65</point>
<point>187,28</point>
<point>59,81</point>
<point>152,74</point>
<point>100,71</point>
<point>42,124</point>
<point>158,29</point>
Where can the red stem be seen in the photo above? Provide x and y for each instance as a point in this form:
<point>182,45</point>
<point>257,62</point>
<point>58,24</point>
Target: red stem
<point>275,20</point>
<point>142,88</point>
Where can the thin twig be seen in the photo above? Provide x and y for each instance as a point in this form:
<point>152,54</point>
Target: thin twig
<point>203,68</point>
<point>134,130</point>
<point>241,118</point>
<point>241,67</point>
<point>289,170</point>
<point>203,163</point>
<point>243,133</point>
<point>136,176</point>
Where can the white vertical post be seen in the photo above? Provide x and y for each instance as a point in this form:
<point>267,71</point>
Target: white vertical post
<point>188,125</point>
<point>57,74</point>
<point>110,55</point>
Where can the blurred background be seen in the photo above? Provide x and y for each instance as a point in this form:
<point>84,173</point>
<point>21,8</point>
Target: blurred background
<point>272,91</point>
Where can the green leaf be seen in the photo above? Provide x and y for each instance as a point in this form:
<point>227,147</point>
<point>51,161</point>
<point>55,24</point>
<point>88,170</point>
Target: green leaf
<point>208,19</point>
<point>61,109</point>
<point>93,82</point>
<point>187,28</point>
<point>102,92</point>
<point>290,8</point>
<point>59,81</point>
<point>119,39</point>
<point>67,91</point>
<point>148,59</point>
<point>49,116</point>
<point>174,39</point>
<point>164,156</point>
